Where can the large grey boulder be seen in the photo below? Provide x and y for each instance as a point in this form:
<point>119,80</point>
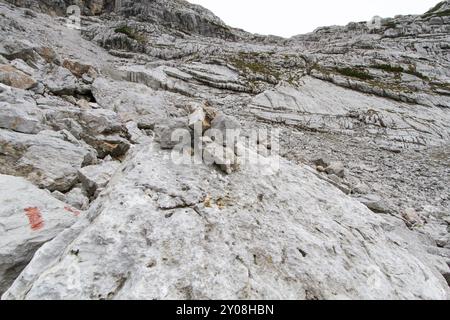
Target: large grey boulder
<point>29,217</point>
<point>19,112</point>
<point>49,159</point>
<point>61,81</point>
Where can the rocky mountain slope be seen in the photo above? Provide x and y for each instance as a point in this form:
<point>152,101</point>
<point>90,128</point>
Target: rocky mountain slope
<point>354,204</point>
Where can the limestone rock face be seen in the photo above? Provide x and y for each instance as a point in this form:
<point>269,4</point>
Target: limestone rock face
<point>178,14</point>
<point>29,218</point>
<point>316,105</point>
<point>335,184</point>
<point>233,246</point>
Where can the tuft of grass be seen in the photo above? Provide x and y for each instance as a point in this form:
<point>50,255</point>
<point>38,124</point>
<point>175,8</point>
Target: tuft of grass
<point>433,11</point>
<point>412,70</point>
<point>390,25</point>
<point>443,85</point>
<point>246,62</point>
<point>398,69</point>
<point>388,68</point>
<point>130,33</point>
<point>355,73</point>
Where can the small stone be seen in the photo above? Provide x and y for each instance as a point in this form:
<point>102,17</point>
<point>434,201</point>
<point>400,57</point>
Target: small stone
<point>59,195</point>
<point>48,54</point>
<point>320,169</point>
<point>87,78</point>
<point>165,129</point>
<point>39,88</point>
<point>82,103</point>
<point>78,69</point>
<point>199,117</point>
<point>97,176</point>
<point>29,13</point>
<point>60,81</point>
<point>229,128</point>
<point>70,99</point>
<point>335,178</point>
<point>21,116</point>
<point>336,168</point>
<point>136,134</point>
<point>361,188</point>
<point>322,161</point>
<point>77,199</point>
<point>114,145</point>
<point>223,157</point>
<point>412,218</point>
<point>21,65</point>
<point>374,203</point>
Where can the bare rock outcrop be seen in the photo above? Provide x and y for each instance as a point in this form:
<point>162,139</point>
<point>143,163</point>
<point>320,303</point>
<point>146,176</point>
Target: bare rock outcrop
<point>267,237</point>
<point>29,218</point>
<point>333,184</point>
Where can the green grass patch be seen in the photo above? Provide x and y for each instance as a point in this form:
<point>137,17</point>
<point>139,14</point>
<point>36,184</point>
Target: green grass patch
<point>443,86</point>
<point>246,62</point>
<point>130,33</point>
<point>412,70</point>
<point>355,73</point>
<point>388,68</point>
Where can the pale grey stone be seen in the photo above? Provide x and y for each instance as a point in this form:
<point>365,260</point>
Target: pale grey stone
<point>29,218</point>
<point>164,131</point>
<point>203,234</point>
<point>336,168</point>
<point>77,199</point>
<point>374,203</point>
<point>97,176</point>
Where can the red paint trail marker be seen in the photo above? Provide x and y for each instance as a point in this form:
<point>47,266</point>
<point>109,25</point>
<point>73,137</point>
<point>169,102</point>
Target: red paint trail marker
<point>35,218</point>
<point>76,213</point>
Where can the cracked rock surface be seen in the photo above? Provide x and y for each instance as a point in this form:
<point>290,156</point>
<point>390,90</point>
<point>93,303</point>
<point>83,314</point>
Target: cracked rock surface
<point>353,203</point>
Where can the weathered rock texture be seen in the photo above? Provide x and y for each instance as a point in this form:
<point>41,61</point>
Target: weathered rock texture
<point>29,218</point>
<point>356,204</point>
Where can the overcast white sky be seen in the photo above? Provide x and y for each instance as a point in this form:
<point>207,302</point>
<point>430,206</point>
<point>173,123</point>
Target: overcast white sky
<point>290,17</point>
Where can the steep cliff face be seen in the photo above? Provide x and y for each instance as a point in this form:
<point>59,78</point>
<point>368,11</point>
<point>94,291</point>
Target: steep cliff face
<point>179,14</point>
<point>59,7</point>
<point>354,204</point>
